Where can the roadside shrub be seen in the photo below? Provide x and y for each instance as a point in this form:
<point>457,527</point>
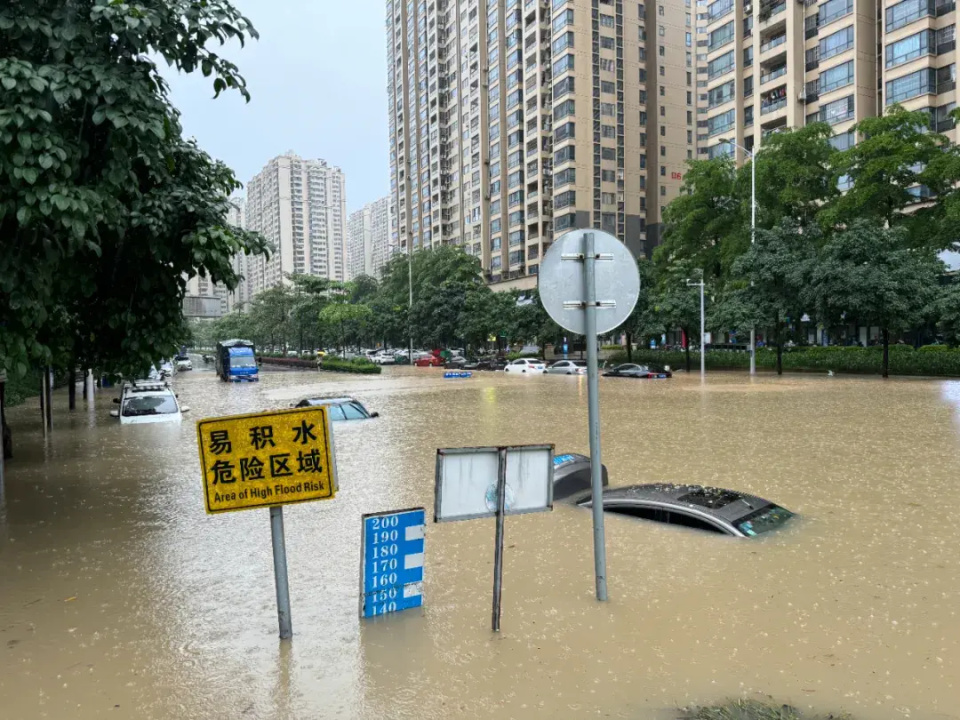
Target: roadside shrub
<point>18,389</point>
<point>517,355</point>
<point>353,365</point>
<point>904,360</point>
<point>934,348</point>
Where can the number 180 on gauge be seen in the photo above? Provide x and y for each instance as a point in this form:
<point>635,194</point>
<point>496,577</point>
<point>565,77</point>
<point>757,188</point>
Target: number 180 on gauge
<point>391,573</point>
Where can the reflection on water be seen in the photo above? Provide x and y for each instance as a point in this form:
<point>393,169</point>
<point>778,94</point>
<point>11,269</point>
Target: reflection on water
<point>117,592</point>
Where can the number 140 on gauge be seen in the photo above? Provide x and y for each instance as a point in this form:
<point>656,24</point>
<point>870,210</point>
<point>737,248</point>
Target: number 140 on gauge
<point>391,574</point>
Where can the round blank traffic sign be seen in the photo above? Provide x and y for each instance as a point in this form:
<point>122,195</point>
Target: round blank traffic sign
<point>561,283</point>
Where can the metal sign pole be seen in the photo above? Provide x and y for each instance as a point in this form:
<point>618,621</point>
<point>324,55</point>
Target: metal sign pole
<point>703,337</point>
<point>280,571</point>
<point>593,410</point>
<point>498,552</point>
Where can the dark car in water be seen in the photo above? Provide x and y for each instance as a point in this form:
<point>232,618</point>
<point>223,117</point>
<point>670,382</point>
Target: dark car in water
<point>340,408</point>
<point>705,508</point>
<point>631,370</point>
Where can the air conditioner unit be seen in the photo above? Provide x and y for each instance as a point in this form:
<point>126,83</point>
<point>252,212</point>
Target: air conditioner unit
<point>802,96</point>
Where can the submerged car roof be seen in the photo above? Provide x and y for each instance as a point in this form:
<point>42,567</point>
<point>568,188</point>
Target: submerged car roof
<point>727,505</point>
<point>327,401</point>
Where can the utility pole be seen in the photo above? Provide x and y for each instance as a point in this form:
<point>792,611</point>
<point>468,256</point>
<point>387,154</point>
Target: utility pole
<point>703,344</point>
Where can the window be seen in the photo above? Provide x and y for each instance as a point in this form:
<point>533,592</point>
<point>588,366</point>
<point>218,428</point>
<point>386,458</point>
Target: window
<point>643,162</point>
<point>718,9</point>
<point>720,37</point>
<point>564,87</point>
<point>663,171</point>
<point>608,131</point>
<point>748,56</point>
<point>607,43</point>
<point>663,133</point>
<point>608,153</point>
<point>906,12</point>
<point>946,78</point>
<point>607,87</point>
<point>844,141</point>
<point>495,226</point>
<point>724,93</point>
<point>563,64</point>
<point>562,20</point>
<point>608,198</point>
<point>663,111</point>
<point>608,109</point>
<point>563,132</point>
<point>836,77</point>
<point>722,122</point>
<point>720,65</point>
<point>835,44</point>
<point>833,10</point>
<point>515,218</point>
<point>608,176</point>
<point>565,41</point>
<point>563,109</point>
<point>566,221</point>
<point>916,83</point>
<point>564,154</point>
<point>565,177</point>
<point>748,86</point>
<point>837,111</point>
<point>606,20</point>
<point>607,64</point>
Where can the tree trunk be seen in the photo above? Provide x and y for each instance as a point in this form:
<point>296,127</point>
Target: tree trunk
<point>886,352</point>
<point>779,346</point>
<point>629,348</point>
<point>686,348</point>
<point>72,388</point>
<point>6,437</point>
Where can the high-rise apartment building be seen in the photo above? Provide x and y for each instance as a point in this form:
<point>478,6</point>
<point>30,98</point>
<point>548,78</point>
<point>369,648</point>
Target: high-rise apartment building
<point>240,296</point>
<point>513,121</point>
<point>772,64</point>
<point>300,207</point>
<point>368,239</point>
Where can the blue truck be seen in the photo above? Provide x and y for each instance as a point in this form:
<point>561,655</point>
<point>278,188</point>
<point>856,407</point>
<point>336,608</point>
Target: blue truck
<point>237,361</point>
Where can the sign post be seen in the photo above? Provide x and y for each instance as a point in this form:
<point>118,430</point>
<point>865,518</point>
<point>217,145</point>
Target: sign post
<point>391,567</point>
<point>573,268</point>
<point>268,460</point>
<point>480,482</point>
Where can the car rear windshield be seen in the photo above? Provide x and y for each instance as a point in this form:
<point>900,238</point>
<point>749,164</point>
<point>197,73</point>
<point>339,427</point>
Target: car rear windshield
<point>766,518</point>
<point>149,405</point>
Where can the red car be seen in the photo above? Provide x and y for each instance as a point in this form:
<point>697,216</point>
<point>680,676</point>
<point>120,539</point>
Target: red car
<point>432,361</point>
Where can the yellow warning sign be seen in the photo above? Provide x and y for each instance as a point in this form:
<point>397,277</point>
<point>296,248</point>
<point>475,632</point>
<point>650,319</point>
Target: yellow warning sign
<point>273,458</point>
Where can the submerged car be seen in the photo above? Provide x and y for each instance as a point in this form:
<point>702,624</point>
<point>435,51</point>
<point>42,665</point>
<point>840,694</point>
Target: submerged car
<point>571,477</point>
<point>148,402</point>
<point>429,361</point>
<point>705,508</point>
<point>568,367</point>
<point>526,365</point>
<point>340,408</point>
<point>183,363</point>
<point>631,370</point>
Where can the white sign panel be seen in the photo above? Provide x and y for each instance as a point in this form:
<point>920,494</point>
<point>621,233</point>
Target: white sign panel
<point>467,481</point>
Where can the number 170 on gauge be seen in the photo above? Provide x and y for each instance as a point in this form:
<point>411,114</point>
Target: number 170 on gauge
<point>391,574</point>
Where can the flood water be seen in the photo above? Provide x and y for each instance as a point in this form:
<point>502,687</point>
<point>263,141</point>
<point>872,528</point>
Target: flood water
<point>120,597</point>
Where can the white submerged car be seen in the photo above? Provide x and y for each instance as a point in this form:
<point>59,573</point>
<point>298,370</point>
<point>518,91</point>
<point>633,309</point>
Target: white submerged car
<point>568,367</point>
<point>526,365</point>
<point>148,402</point>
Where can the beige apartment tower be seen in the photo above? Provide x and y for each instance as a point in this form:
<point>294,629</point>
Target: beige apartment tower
<point>300,207</point>
<point>772,64</point>
<point>513,121</point>
<point>368,239</point>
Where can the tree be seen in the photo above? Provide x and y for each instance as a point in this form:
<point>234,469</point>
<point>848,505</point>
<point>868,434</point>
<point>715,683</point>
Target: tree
<point>641,321</point>
<point>677,305</point>
<point>348,323</point>
<point>700,222</point>
<point>774,270</point>
<point>528,321</point>
<point>104,207</point>
<point>867,272</point>
<point>362,288</point>
<point>897,161</point>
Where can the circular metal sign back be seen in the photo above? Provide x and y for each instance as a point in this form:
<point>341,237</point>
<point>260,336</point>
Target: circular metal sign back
<point>561,281</point>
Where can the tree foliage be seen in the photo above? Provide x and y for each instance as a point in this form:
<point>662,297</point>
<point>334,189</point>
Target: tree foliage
<point>104,207</point>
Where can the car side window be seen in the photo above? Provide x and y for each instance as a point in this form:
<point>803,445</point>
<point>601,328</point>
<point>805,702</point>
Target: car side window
<point>335,411</point>
<point>664,516</point>
<point>352,412</point>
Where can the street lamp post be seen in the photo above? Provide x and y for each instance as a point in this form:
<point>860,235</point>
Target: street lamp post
<point>410,281</point>
<point>703,345</point>
<point>753,234</point>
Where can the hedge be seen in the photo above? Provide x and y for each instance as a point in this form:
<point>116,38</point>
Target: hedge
<point>353,365</point>
<point>18,389</point>
<point>904,360</point>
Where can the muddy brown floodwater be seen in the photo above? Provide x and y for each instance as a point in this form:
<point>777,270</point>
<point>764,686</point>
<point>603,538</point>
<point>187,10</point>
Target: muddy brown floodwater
<point>119,597</point>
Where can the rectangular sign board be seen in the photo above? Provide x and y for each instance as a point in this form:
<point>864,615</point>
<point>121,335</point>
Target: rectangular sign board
<point>467,481</point>
<point>391,565</point>
<point>267,459</point>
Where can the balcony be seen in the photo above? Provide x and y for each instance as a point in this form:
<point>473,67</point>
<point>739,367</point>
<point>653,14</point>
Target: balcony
<point>771,102</point>
<point>775,41</point>
<point>775,73</point>
<point>771,8</point>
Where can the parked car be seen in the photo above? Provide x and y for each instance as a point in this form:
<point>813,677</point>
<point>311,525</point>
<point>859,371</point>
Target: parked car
<point>568,367</point>
<point>340,408</point>
<point>487,363</point>
<point>705,508</point>
<point>571,477</point>
<point>630,370</point>
<point>183,363</point>
<point>455,362</point>
<point>384,358</point>
<point>526,365</point>
<point>429,361</point>
<point>145,401</point>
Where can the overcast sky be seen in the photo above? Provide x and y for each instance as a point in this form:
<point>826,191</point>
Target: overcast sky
<point>318,80</point>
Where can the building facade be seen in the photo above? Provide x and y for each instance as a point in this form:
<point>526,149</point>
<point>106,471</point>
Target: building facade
<point>368,239</point>
<point>513,121</point>
<point>300,207</point>
<point>772,64</point>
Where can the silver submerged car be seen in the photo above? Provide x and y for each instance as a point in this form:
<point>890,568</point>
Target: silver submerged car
<point>568,367</point>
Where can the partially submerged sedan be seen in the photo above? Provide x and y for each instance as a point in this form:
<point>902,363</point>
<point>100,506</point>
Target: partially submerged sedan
<point>704,508</point>
<point>339,408</point>
<point>632,370</point>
